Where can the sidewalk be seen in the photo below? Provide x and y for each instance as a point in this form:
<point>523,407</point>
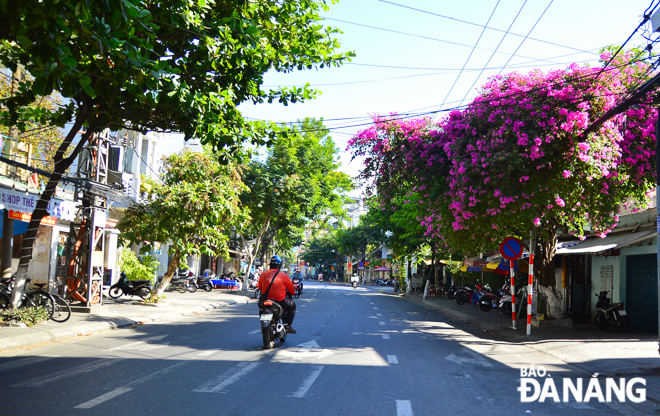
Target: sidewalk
<point>584,347</point>
<point>122,312</point>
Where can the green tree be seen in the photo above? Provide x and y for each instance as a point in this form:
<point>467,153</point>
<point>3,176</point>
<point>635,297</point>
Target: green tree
<point>296,183</point>
<point>189,209</point>
<point>44,139</point>
<point>171,65</point>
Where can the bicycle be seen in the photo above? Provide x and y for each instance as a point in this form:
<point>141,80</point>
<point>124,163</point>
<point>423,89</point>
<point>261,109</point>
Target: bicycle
<point>57,308</point>
<point>61,308</point>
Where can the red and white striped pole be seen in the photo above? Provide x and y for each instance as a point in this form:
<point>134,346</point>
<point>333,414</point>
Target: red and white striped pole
<point>530,288</point>
<point>513,294</point>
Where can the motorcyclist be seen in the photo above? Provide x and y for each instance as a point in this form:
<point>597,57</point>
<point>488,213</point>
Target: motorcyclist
<point>296,279</point>
<point>354,279</point>
<point>280,291</point>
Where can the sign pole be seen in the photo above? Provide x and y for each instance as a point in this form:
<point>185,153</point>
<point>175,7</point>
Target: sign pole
<point>513,294</point>
<point>511,249</point>
<point>530,285</point>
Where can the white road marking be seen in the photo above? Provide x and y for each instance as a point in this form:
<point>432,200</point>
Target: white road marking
<point>23,362</point>
<point>222,382</point>
<point>477,358</point>
<point>392,359</point>
<point>300,393</point>
<point>74,371</point>
<point>386,336</point>
<point>404,408</point>
<point>382,323</point>
<point>209,352</point>
<point>103,398</point>
<point>256,331</point>
<point>137,345</point>
<point>375,308</point>
<point>378,314</point>
<point>126,388</point>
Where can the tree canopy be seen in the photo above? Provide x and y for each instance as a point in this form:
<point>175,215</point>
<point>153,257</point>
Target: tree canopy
<point>516,159</point>
<point>297,181</point>
<point>188,208</point>
<point>171,65</point>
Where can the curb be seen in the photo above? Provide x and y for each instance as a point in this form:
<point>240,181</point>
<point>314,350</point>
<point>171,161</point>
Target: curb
<point>41,336</point>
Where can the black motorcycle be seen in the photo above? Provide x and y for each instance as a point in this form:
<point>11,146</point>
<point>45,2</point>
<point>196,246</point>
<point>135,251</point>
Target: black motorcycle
<point>451,292</point>
<point>128,288</point>
<point>608,314</point>
<point>272,325</point>
<point>205,284</point>
<point>195,283</point>
<point>182,285</point>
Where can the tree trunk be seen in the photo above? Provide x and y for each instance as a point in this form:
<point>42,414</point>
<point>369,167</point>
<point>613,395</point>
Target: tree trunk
<point>252,252</point>
<point>167,277</point>
<point>546,248</point>
<point>40,211</point>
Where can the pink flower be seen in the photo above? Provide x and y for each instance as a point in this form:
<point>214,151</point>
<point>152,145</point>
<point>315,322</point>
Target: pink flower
<point>537,221</point>
<point>567,174</point>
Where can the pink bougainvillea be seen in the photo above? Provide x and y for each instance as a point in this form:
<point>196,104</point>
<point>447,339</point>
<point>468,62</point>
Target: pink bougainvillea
<point>516,158</point>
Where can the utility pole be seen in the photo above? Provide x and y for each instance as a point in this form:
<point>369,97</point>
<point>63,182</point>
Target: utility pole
<point>7,223</point>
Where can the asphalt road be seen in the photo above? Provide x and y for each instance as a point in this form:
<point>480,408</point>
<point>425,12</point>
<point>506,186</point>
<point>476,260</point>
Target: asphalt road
<point>357,352</point>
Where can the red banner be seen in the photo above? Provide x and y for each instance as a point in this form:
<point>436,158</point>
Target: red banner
<point>25,217</point>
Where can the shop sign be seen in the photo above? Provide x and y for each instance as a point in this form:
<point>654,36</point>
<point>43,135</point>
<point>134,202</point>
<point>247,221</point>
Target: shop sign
<point>26,203</point>
<point>22,216</point>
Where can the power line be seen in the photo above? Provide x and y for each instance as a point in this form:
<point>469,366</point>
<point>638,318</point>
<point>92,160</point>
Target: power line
<point>528,33</point>
<point>647,16</point>
<point>477,24</point>
<point>421,37</point>
<point>493,54</point>
<point>470,56</point>
<point>419,75</point>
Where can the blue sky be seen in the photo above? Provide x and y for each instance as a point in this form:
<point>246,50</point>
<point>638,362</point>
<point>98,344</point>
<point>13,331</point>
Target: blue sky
<point>432,51</point>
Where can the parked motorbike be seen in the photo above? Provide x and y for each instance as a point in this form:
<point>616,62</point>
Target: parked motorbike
<point>126,287</point>
<point>451,292</point>
<point>204,284</point>
<point>181,285</point>
<point>272,325</point>
<point>464,295</point>
<point>505,302</point>
<point>608,314</point>
<point>491,300</point>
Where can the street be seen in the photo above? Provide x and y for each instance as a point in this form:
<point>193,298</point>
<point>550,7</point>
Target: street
<point>357,352</point>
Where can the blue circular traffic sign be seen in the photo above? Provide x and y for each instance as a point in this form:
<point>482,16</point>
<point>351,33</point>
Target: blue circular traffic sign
<point>511,248</point>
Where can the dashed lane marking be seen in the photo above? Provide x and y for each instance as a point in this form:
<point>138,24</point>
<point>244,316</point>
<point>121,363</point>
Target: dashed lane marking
<point>23,362</point>
<point>404,408</point>
<point>386,336</point>
<point>392,359</point>
<point>71,372</point>
<point>300,393</point>
<point>382,323</point>
<point>209,352</point>
<point>126,388</point>
<point>223,381</point>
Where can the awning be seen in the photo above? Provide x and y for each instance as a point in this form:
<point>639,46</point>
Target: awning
<point>598,245</point>
<point>475,261</point>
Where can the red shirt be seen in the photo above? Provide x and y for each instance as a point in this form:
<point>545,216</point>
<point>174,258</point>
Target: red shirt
<point>279,288</point>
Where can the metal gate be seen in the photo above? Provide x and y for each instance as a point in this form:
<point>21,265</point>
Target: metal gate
<point>642,292</point>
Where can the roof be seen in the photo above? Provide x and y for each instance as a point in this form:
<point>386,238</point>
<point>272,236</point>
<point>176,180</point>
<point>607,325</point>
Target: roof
<point>598,245</point>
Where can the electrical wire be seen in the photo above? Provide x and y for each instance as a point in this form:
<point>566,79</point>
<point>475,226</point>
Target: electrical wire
<point>493,54</point>
<point>470,56</point>
<point>421,36</point>
<point>526,37</point>
<point>647,16</point>
<point>477,24</point>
